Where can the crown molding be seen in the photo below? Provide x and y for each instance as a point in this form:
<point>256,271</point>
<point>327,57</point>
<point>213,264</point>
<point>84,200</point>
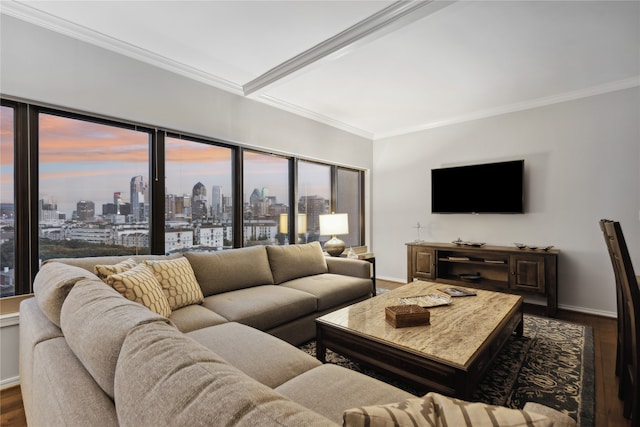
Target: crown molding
<point>300,111</point>
<point>519,106</point>
<point>24,12</point>
<point>397,14</point>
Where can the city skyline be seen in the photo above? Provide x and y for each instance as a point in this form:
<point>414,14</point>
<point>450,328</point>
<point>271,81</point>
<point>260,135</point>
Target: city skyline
<point>81,160</point>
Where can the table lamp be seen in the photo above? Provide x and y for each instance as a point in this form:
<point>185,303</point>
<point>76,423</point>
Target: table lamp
<point>333,225</point>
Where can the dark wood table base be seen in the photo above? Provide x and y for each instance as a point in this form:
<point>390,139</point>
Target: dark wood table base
<point>425,371</point>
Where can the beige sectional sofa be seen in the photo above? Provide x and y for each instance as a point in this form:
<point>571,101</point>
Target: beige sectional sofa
<point>91,357</point>
<point>277,289</point>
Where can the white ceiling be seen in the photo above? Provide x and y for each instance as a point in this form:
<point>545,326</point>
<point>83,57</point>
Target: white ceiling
<point>374,68</point>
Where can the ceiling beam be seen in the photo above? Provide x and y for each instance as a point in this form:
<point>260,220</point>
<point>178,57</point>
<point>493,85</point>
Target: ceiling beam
<point>397,14</point>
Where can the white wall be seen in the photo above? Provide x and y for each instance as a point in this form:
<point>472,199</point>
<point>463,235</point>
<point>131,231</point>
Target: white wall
<point>9,337</point>
<point>582,163</point>
<point>40,65</point>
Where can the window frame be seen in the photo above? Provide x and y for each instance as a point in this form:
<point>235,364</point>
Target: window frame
<point>291,182</point>
<point>22,275</point>
<point>237,211</point>
<point>156,178</point>
<point>27,171</point>
<point>361,191</point>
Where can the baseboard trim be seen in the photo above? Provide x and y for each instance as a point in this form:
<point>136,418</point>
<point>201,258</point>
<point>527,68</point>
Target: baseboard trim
<point>601,313</point>
<point>9,319</point>
<point>391,279</point>
<point>9,382</point>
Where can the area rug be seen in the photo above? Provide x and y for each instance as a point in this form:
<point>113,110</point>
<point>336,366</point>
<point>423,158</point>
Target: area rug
<point>551,364</point>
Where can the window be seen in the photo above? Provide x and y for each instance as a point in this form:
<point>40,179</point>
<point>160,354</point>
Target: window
<point>266,196</point>
<point>7,202</point>
<point>94,195</point>
<point>74,185</point>
<point>314,199</point>
<point>349,199</point>
<point>199,197</point>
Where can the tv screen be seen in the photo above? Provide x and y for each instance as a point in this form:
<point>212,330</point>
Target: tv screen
<point>482,188</point>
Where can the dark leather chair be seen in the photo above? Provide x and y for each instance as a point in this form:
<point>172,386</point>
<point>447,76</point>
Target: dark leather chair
<point>631,300</point>
<point>620,306</point>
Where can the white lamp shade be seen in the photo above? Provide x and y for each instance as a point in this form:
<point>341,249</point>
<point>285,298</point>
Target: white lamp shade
<point>334,224</point>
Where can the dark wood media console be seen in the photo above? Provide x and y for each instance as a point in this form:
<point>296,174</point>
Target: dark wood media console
<point>497,268</point>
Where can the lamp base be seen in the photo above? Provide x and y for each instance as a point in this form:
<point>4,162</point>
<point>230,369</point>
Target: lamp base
<point>334,246</point>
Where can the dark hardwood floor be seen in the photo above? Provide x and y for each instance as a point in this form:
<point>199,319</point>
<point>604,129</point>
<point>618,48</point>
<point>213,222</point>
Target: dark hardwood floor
<point>608,406</point>
<point>11,409</point>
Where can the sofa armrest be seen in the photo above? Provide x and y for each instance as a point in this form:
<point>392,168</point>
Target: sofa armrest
<point>349,267</point>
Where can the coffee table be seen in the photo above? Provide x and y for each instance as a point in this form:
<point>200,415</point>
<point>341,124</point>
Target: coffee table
<point>449,356</point>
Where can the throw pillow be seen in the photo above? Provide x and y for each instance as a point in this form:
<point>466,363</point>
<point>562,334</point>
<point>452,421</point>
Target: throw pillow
<point>178,282</point>
<point>104,271</point>
<point>438,410</point>
<point>140,285</point>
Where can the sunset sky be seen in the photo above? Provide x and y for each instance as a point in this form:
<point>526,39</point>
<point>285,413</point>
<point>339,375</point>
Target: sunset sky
<point>80,160</point>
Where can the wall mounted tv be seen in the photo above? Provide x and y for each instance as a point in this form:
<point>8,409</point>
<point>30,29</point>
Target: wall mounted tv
<point>481,188</point>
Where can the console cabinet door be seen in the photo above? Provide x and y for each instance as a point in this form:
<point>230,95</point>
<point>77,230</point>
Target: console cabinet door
<point>424,264</point>
<point>527,273</point>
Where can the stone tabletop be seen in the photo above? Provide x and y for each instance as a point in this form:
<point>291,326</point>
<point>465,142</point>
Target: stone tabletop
<point>454,335</point>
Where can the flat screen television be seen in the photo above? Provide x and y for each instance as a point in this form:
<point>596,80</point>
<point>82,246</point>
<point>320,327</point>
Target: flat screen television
<point>482,188</point>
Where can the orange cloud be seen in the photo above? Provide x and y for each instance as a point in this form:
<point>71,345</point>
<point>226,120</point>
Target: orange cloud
<point>64,140</point>
<point>194,152</point>
<point>117,174</point>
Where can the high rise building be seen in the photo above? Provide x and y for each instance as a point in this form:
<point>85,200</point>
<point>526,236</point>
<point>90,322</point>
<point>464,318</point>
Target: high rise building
<point>48,213</point>
<point>199,202</point>
<point>260,203</point>
<point>169,206</point>
<point>7,210</point>
<point>117,201</point>
<point>313,206</point>
<point>139,198</point>
<point>216,201</point>
<point>85,210</point>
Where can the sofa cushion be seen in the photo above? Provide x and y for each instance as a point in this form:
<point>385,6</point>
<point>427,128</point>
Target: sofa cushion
<point>262,307</point>
<point>293,261</point>
<point>178,281</point>
<point>264,358</point>
<point>330,389</point>
<point>105,270</point>
<point>332,289</point>
<point>232,269</point>
<point>140,285</point>
<point>52,285</point>
<point>193,317</point>
<point>95,320</point>
<point>164,378</point>
<point>436,409</point>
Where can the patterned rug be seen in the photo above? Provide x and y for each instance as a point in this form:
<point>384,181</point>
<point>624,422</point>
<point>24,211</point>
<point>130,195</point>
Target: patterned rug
<point>551,364</point>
